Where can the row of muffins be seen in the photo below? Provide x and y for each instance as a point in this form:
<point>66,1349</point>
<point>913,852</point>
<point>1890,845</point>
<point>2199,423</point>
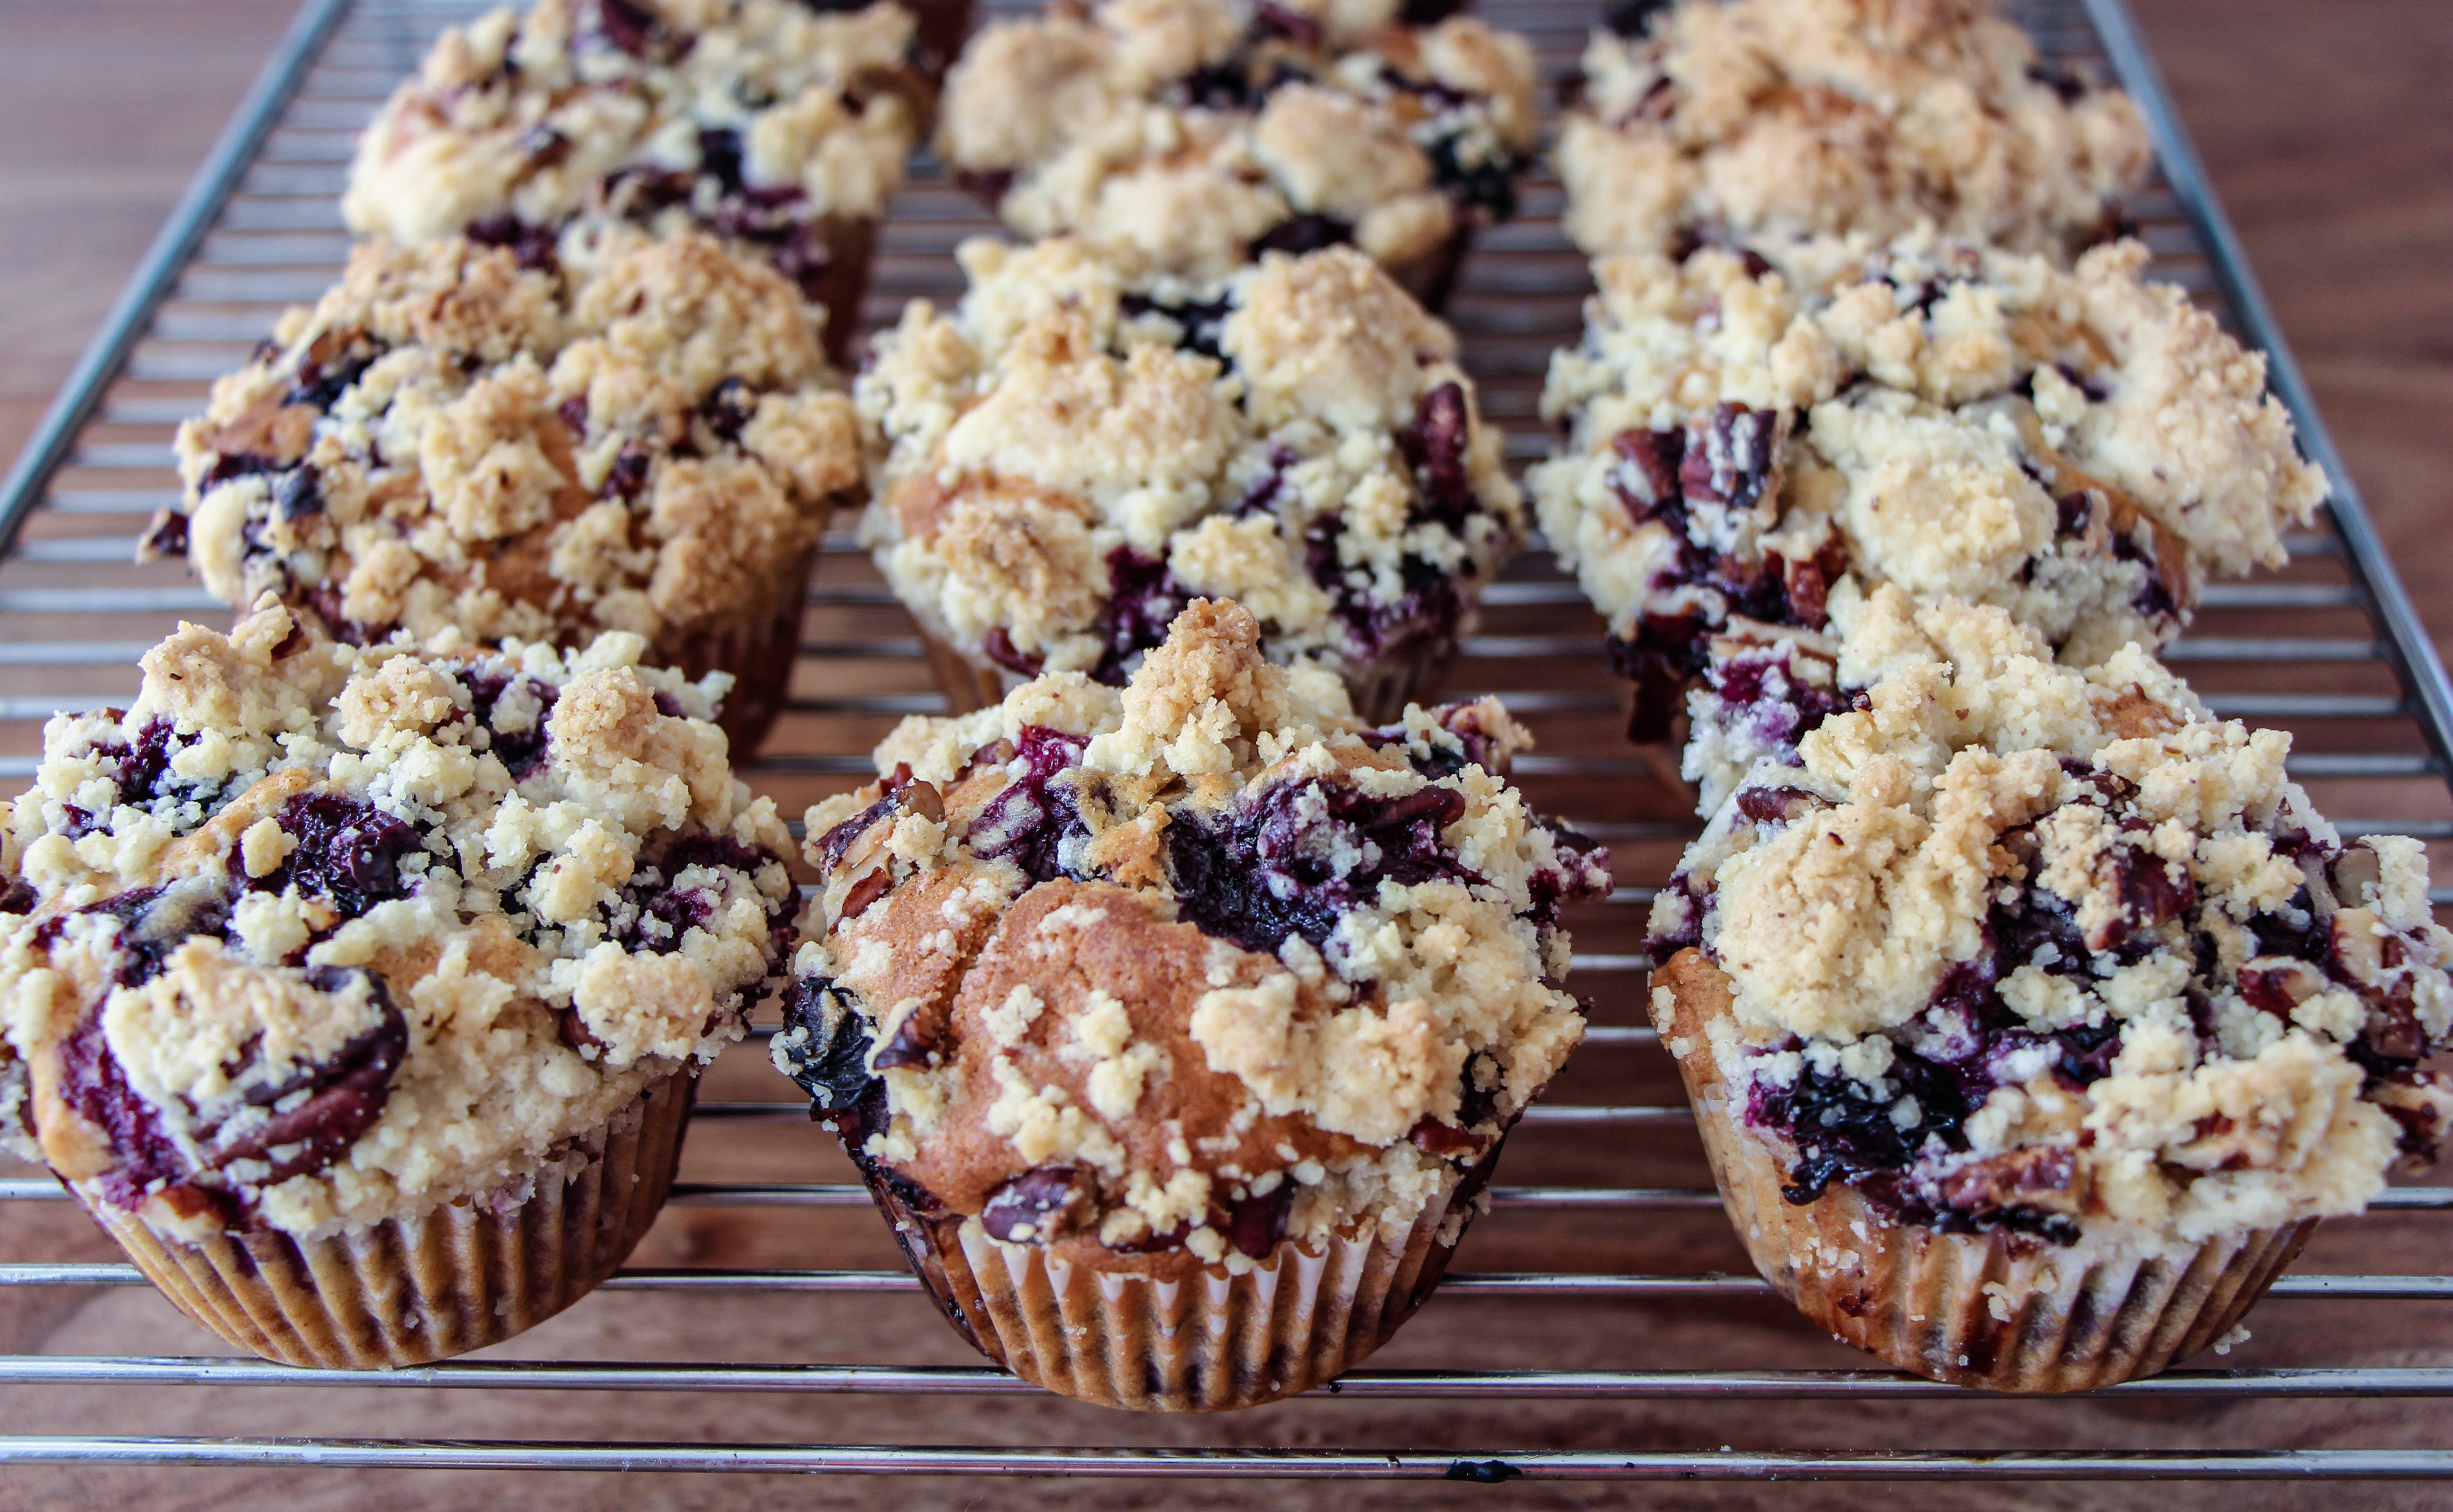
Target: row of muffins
<point>2031,1014</point>
<point>362,968</point>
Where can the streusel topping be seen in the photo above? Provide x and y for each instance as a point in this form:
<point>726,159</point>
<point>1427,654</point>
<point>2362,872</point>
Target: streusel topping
<point>1085,446</point>
<point>754,120</point>
<point>2017,945</point>
<point>322,935</point>
<point>1193,966</point>
<point>634,438</point>
<point>1203,132</point>
<point>1758,121</point>
<point>1751,441</point>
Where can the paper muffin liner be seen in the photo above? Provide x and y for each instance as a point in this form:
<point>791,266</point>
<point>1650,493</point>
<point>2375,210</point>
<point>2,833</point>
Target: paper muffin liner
<point>2000,1311</point>
<point>758,645</point>
<point>1197,1340</point>
<point>943,26</point>
<point>1380,690</point>
<point>465,1275</point>
<point>850,243</point>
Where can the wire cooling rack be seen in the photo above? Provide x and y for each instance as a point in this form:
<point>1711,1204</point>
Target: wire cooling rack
<point>1587,1335</point>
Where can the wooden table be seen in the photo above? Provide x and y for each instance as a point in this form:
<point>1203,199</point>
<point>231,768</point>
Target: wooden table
<point>2329,129</point>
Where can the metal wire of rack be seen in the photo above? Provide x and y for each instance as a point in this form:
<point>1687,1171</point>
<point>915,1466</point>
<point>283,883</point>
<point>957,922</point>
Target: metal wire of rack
<point>2331,647</point>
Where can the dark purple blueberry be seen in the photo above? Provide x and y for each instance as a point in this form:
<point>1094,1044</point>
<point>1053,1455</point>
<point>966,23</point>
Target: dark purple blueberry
<point>521,752</point>
<point>728,409</point>
<point>534,247</point>
<point>155,922</point>
<point>1424,615</point>
<point>831,1063</point>
<point>18,897</point>
<point>1263,496</point>
<point>92,1083</point>
<point>167,535</point>
<point>719,156</point>
<point>1254,1225</point>
<point>319,384</point>
<point>1046,1200</point>
<point>1271,19</point>
<point>1201,325</point>
<point>629,473</point>
<point>1298,234</point>
<point>1435,446</point>
<point>573,411</point>
<point>1301,855</point>
<point>639,31</point>
<point>2061,80</point>
<point>348,852</point>
<point>231,465</point>
<point>1629,18</point>
<point>654,912</point>
<point>999,647</point>
<point>1844,1130</point>
<point>1486,185</point>
<point>1143,598</point>
<point>1030,821</point>
<point>1779,806</point>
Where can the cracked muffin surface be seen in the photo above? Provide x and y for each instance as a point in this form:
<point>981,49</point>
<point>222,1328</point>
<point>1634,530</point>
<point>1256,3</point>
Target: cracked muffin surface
<point>1084,446</point>
<point>637,438</point>
<point>1203,132</point>
<point>315,937</point>
<point>1758,121</point>
<point>1172,974</point>
<point>2017,947</point>
<point>1754,442</point>
<point>767,123</point>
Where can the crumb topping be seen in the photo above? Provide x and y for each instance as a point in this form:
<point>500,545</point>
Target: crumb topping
<point>1201,133</point>
<point>1186,968</point>
<point>1756,121</point>
<point>634,438</point>
<point>1754,443</point>
<point>2017,945</point>
<point>1084,447</point>
<point>314,936</point>
<point>757,121</point>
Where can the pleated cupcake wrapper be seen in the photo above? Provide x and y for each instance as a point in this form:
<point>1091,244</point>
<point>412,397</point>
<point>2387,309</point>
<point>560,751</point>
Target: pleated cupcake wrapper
<point>943,25</point>
<point>1379,691</point>
<point>458,1278</point>
<point>1208,1341</point>
<point>758,645</point>
<point>852,247</point>
<point>1995,1310</point>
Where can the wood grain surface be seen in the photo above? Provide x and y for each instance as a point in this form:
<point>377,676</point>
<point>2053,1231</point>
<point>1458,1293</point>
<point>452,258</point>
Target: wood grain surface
<point>2329,129</point>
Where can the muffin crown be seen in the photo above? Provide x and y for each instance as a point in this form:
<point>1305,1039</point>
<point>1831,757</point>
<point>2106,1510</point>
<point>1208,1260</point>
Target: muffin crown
<point>1192,968</point>
<point>1763,120</point>
<point>1756,441</point>
<point>1085,446</point>
<point>1203,132</point>
<point>752,119</point>
<point>313,936</point>
<point>2003,910</point>
<point>631,436</point>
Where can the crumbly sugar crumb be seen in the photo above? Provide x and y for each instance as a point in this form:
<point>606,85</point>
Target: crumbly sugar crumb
<point>1085,446</point>
<point>638,437</point>
<point>317,936</point>
<point>1756,121</point>
<point>1199,955</point>
<point>2057,950</point>
<point>1198,133</point>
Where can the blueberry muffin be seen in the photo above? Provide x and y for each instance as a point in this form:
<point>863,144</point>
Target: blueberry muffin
<point>1755,121</point>
<point>2034,1019</point>
<point>1177,1029</point>
<point>1204,133</point>
<point>634,437</point>
<point>363,989</point>
<point>1752,443</point>
<point>780,126</point>
<point>1082,447</point>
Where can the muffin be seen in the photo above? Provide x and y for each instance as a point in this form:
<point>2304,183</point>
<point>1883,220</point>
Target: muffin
<point>1204,133</point>
<point>1757,121</point>
<point>363,991</point>
<point>633,437</point>
<point>780,126</point>
<point>1064,461</point>
<point>2034,1019</point>
<point>1176,1029</point>
<point>1752,442</point>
